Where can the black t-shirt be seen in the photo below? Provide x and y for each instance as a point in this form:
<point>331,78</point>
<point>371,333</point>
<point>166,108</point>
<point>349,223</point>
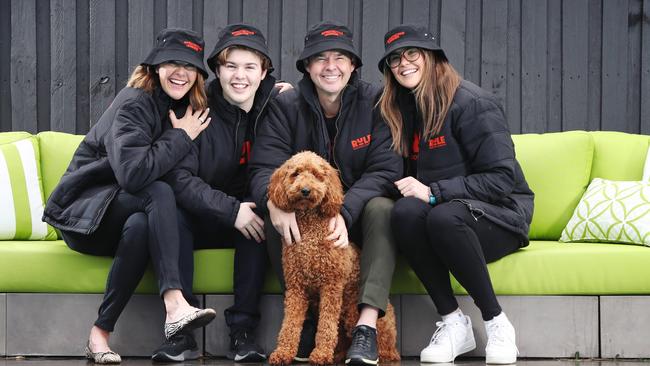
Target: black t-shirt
<point>331,132</point>
<point>239,182</point>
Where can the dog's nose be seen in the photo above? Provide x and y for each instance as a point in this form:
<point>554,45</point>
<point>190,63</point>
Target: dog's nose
<point>305,191</point>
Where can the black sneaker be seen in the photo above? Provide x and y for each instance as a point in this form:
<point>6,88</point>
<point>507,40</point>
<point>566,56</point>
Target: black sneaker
<point>307,340</point>
<point>243,347</point>
<point>180,347</point>
<point>363,350</point>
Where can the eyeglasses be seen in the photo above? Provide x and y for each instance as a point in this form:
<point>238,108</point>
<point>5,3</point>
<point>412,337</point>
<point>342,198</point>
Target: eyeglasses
<point>410,54</point>
<point>186,65</point>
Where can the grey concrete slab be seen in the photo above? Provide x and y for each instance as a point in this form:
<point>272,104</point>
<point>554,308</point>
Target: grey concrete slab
<point>217,339</point>
<point>58,324</point>
<point>624,329</point>
<point>547,326</point>
<point>3,324</point>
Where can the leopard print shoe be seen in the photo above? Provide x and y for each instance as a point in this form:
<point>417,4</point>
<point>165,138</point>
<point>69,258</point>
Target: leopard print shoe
<point>102,358</point>
<point>197,319</point>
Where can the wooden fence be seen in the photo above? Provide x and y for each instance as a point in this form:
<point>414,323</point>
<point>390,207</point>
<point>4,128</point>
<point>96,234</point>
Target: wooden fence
<point>555,64</point>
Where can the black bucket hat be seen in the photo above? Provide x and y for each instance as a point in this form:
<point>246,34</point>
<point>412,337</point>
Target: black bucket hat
<point>326,36</point>
<point>239,34</point>
<point>175,44</point>
<point>409,35</point>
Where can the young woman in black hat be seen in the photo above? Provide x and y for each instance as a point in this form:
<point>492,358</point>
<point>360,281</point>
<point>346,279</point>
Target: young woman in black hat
<point>211,184</point>
<point>110,201</point>
<point>465,199</point>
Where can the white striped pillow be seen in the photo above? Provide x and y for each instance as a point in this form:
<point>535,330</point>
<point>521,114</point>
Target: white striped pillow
<point>21,193</point>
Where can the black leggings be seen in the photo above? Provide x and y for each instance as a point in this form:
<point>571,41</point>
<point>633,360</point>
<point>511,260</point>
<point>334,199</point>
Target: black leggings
<point>136,227</point>
<point>249,267</point>
<point>446,237</point>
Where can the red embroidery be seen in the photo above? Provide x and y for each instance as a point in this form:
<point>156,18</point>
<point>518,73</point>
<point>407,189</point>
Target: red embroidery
<point>331,32</point>
<point>437,142</point>
<point>245,153</point>
<point>361,142</point>
<point>192,45</point>
<point>394,37</point>
<point>415,147</point>
<point>243,32</point>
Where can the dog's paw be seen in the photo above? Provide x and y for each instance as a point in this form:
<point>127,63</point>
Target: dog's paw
<point>321,357</point>
<point>281,357</point>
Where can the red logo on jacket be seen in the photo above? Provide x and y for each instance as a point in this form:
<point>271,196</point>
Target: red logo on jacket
<point>245,153</point>
<point>361,142</point>
<point>437,142</point>
<point>192,45</point>
<point>242,32</point>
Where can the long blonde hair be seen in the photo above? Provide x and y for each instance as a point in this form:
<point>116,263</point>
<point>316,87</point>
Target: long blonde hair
<point>433,96</point>
<point>145,78</point>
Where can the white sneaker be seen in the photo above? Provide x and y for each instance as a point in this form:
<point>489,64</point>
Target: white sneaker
<point>451,339</point>
<point>501,348</point>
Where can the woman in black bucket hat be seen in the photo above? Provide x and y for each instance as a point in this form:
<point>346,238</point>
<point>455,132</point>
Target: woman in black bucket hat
<point>110,201</point>
<point>465,199</point>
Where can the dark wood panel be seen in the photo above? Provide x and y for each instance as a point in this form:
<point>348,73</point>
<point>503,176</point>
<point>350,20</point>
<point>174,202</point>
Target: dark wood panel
<point>235,11</point>
<point>337,10</point>
<point>5,66</point>
<point>256,14</point>
<point>513,81</point>
<point>452,33</point>
<point>645,70</point>
<point>63,64</point>
<point>416,12</point>
<point>43,78</point>
<point>395,10</point>
<point>83,66</point>
<point>159,15</point>
<point>23,66</point>
<point>494,52</point>
<point>141,30</point>
<point>215,17</point>
<point>595,64</point>
<point>179,14</point>
<point>435,9</point>
<point>615,64</point>
<point>102,56</point>
<point>575,44</point>
<point>294,28</point>
<point>374,26</point>
<point>197,16</point>
<point>122,67</point>
<point>314,12</point>
<point>554,68</point>
<point>274,34</point>
<point>632,118</point>
<point>472,68</point>
<point>534,44</point>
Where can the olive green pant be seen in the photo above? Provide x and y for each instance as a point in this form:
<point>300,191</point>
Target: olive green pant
<point>378,252</point>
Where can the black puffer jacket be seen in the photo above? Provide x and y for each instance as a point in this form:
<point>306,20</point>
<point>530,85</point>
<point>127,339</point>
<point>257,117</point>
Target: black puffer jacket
<point>361,150</point>
<point>206,181</point>
<point>472,160</point>
<point>131,146</point>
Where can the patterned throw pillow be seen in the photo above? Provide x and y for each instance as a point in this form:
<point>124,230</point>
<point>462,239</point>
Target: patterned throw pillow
<point>611,211</point>
<point>21,193</point>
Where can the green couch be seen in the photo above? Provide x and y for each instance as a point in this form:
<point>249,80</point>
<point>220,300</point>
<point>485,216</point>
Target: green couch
<point>558,167</point>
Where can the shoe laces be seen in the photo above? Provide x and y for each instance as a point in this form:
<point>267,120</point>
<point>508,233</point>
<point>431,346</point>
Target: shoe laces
<point>242,337</point>
<point>442,333</point>
<point>361,339</point>
<point>498,336</point>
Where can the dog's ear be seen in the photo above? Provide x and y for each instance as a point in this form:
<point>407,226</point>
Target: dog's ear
<point>277,190</point>
<point>333,199</point>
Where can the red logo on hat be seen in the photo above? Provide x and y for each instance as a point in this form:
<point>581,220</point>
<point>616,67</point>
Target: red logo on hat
<point>192,45</point>
<point>331,32</point>
<point>394,37</point>
<point>243,32</point>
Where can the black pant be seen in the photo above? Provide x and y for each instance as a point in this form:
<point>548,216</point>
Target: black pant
<point>446,237</point>
<point>249,268</point>
<point>136,227</point>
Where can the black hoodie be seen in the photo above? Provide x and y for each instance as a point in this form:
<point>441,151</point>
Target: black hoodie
<point>212,179</point>
<point>361,151</point>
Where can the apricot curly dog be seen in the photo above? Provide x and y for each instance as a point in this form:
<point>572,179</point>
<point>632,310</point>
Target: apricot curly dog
<point>316,273</point>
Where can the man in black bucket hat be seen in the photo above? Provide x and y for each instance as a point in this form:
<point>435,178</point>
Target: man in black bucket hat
<point>331,113</point>
<point>211,185</point>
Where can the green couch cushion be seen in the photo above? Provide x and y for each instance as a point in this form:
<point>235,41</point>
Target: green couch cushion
<point>542,268</point>
<point>57,149</point>
<point>22,192</point>
<point>554,268</point>
<point>619,156</point>
<point>6,137</point>
<point>557,167</point>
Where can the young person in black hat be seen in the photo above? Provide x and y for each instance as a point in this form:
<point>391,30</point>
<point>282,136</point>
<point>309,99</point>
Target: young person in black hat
<point>110,201</point>
<point>465,199</point>
<point>331,113</point>
<point>211,184</point>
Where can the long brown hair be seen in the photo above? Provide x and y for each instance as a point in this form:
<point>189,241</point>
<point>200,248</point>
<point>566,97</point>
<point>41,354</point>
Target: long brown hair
<point>145,78</point>
<point>433,96</point>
